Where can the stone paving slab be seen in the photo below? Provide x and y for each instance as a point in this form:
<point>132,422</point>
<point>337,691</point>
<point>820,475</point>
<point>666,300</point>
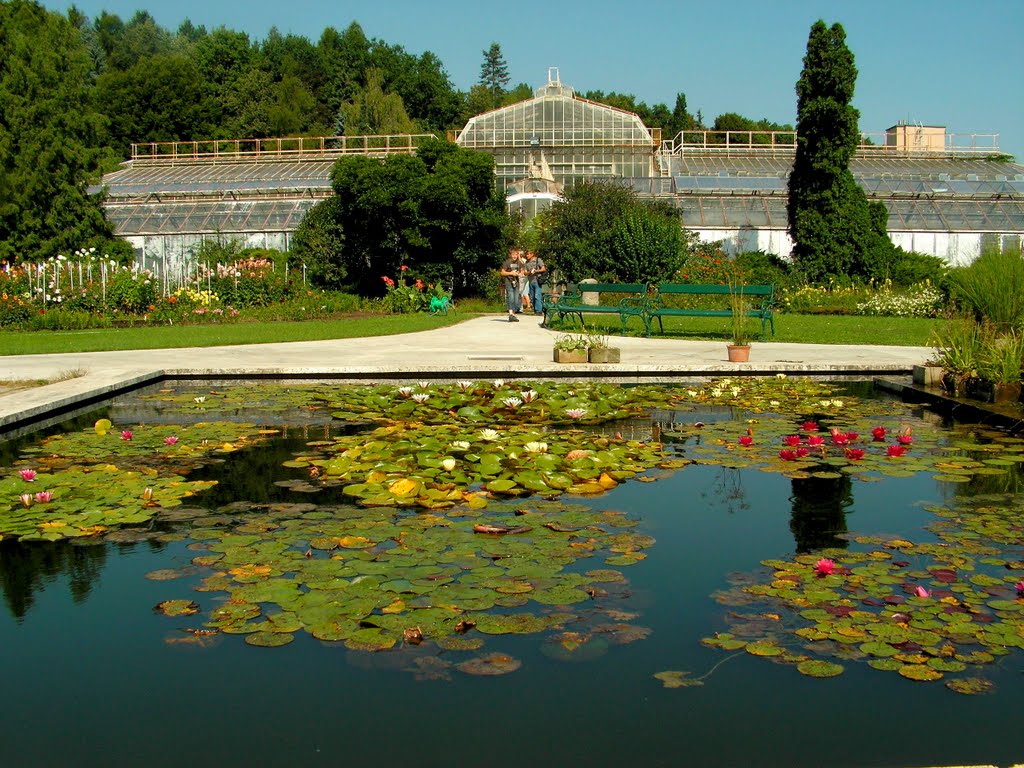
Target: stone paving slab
<point>487,346</point>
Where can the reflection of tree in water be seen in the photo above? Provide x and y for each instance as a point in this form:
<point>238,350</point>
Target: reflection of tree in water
<point>819,512</point>
<point>28,567</point>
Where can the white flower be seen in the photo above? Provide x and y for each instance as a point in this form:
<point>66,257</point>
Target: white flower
<point>824,403</point>
<point>692,392</point>
<point>736,391</point>
<point>726,382</point>
<point>423,384</point>
<point>421,397</point>
<point>716,392</point>
<point>499,383</point>
<point>461,445</point>
<point>575,413</point>
<point>405,391</point>
<point>528,396</point>
<point>200,399</point>
<point>488,434</point>
<point>464,385</point>
<point>448,464</point>
<point>780,375</point>
<point>535,447</point>
<point>513,455</point>
<point>774,403</point>
<point>837,403</point>
<point>512,402</point>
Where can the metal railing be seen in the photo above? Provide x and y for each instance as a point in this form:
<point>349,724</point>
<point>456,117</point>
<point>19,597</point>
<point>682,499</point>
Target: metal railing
<point>768,143</point>
<point>254,150</point>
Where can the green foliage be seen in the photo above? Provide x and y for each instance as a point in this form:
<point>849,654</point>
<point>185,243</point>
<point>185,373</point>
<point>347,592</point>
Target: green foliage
<point>48,136</point>
<point>958,347</point>
<point>1002,357</point>
<point>372,111</point>
<point>436,212</point>
<point>319,241</point>
<point>763,268</point>
<point>647,245</point>
<point>834,229</point>
<point>494,74</point>
<point>992,288</point>
<point>913,268</point>
<point>603,231</point>
<point>131,293</point>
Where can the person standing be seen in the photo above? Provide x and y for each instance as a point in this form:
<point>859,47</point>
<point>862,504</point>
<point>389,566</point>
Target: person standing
<point>511,271</point>
<point>536,274</point>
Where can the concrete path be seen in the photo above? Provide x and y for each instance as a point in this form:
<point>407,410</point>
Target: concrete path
<point>482,346</point>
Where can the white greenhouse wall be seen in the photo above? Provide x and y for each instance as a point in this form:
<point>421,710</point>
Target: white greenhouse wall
<point>176,253</point>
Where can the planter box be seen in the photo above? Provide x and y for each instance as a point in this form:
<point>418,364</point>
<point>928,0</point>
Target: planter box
<point>928,375</point>
<point>570,356</point>
<point>605,355</point>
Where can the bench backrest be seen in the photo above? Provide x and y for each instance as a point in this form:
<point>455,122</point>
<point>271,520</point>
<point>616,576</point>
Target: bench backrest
<point>611,287</point>
<point>704,290</point>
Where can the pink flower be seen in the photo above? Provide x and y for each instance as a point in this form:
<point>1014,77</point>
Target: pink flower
<point>854,454</point>
<point>575,413</point>
<point>878,433</point>
<point>809,426</point>
<point>170,440</point>
<point>746,441</point>
<point>801,452</point>
<point>388,281</point>
<point>126,435</point>
<point>840,439</point>
<point>28,475</point>
<point>825,567</point>
<point>403,267</point>
<point>921,592</point>
<point>1019,586</point>
<point>905,439</point>
<point>791,439</point>
<point>787,455</point>
<point>815,440</point>
<point>852,436</point>
<point>895,450</point>
<point>26,500</point>
<point>43,496</point>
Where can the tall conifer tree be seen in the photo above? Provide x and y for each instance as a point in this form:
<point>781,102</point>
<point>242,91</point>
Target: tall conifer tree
<point>494,73</point>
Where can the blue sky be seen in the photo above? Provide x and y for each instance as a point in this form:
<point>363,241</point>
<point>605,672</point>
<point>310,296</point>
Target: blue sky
<point>934,62</point>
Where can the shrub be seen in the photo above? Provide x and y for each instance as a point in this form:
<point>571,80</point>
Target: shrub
<point>762,268</point>
<point>992,288</point>
<point>923,300</point>
<point>958,350</point>
<point>911,268</point>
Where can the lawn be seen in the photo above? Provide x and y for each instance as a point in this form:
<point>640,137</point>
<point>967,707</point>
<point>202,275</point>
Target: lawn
<point>800,329</point>
<point>168,336</point>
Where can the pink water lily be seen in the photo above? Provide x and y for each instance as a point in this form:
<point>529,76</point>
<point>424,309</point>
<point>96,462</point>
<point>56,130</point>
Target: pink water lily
<point>28,475</point>
<point>43,496</point>
<point>905,439</point>
<point>126,434</point>
<point>575,413</point>
<point>802,451</point>
<point>787,455</point>
<point>815,440</point>
<point>792,440</point>
<point>878,433</point>
<point>854,454</point>
<point>852,436</point>
<point>1019,586</point>
<point>825,567</point>
<point>895,450</point>
<point>170,440</point>
<point>26,500</point>
<point>746,441</point>
<point>809,426</point>
<point>922,592</point>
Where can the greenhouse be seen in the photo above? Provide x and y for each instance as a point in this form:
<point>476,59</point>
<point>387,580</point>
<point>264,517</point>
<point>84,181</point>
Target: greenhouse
<point>949,195</point>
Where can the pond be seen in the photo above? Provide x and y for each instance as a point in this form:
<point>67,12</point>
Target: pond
<point>770,572</point>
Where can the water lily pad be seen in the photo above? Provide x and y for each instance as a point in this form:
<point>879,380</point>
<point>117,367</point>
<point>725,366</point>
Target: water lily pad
<point>677,679</point>
<point>269,639</point>
<point>971,686</point>
<point>818,668</point>
<point>919,672</point>
<point>176,608</point>
<point>490,665</point>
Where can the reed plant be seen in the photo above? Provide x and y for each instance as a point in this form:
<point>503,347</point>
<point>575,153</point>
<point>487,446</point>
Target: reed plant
<point>992,289</point>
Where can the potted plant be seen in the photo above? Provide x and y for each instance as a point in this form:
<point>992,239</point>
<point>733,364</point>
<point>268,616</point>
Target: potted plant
<point>570,349</point>
<point>739,349</point>
<point>1000,366</point>
<point>600,351</point>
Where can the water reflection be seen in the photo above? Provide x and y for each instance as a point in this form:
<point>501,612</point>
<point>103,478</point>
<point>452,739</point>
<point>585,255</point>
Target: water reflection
<point>27,568</point>
<point>818,515</point>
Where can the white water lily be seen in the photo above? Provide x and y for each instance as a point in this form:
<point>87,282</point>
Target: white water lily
<point>421,397</point>
<point>736,391</point>
<point>448,464</point>
<point>528,396</point>
<point>824,403</point>
<point>774,403</point>
<point>499,383</point>
<point>716,392</point>
<point>692,392</point>
<point>512,402</point>
<point>575,413</point>
<point>461,445</point>
<point>837,403</point>
<point>200,399</point>
<point>405,391</point>
<point>464,385</point>
<point>780,375</point>
<point>535,447</point>
<point>423,384</point>
<point>488,434</point>
<point>726,382</point>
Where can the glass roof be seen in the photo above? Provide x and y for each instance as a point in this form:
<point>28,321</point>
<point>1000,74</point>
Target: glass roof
<point>208,217</point>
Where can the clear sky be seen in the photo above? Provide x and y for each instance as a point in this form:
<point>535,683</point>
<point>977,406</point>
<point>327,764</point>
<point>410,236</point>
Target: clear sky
<point>934,62</point>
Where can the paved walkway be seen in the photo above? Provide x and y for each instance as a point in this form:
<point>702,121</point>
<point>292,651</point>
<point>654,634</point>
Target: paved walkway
<point>484,346</point>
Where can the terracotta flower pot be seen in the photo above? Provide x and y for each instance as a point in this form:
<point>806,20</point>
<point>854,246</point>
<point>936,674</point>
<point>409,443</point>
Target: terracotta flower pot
<point>738,354</point>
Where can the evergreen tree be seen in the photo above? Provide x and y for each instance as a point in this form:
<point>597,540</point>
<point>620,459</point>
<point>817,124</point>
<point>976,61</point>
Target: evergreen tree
<point>834,229</point>
<point>48,137</point>
<point>494,73</point>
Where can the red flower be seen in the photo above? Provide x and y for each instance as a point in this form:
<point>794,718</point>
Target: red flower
<point>791,439</point>
<point>787,455</point>
<point>896,450</point>
<point>815,440</point>
<point>854,454</point>
<point>878,433</point>
<point>746,441</point>
<point>839,439</point>
<point>852,436</point>
<point>905,439</point>
<point>810,426</point>
<point>824,567</point>
<point>801,452</point>
<point>403,267</point>
<point>388,281</point>
<point>419,284</point>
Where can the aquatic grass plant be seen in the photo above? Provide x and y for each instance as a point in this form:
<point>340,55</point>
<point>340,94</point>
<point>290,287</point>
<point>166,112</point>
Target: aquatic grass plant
<point>991,288</point>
